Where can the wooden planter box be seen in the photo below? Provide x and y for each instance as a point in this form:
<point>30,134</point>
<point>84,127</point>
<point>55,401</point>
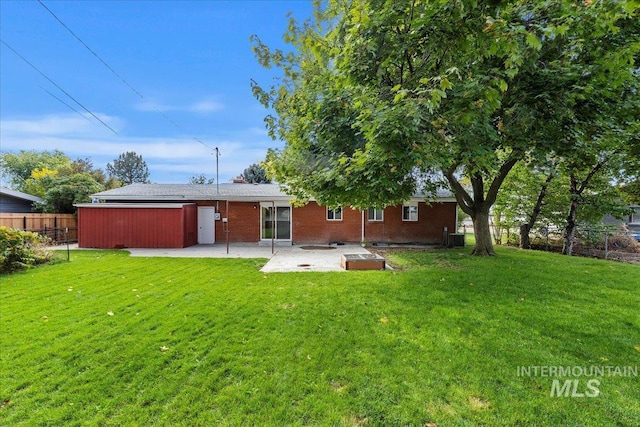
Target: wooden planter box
<point>362,262</point>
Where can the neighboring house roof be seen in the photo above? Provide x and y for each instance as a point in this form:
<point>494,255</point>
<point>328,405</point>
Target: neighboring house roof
<point>19,195</point>
<point>231,192</point>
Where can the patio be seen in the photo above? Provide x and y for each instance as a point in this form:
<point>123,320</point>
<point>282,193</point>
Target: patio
<point>284,259</point>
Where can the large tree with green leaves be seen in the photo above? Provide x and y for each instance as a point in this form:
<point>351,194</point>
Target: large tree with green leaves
<point>53,176</point>
<point>128,168</point>
<point>375,93</point>
<point>67,190</point>
<point>18,167</point>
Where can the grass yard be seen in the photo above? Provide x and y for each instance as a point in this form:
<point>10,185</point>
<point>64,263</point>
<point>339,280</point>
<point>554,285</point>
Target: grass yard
<point>111,340</point>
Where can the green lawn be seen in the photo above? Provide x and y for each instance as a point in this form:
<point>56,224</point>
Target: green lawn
<point>112,340</point>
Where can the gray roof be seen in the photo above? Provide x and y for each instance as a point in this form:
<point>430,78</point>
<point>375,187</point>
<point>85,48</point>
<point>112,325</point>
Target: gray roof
<point>232,192</point>
<point>174,192</point>
<point>19,195</point>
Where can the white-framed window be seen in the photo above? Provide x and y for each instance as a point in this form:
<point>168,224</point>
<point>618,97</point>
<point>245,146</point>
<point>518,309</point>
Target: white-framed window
<point>375,214</point>
<point>334,214</point>
<point>410,212</point>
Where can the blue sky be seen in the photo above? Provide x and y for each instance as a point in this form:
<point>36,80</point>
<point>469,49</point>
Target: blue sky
<point>191,62</point>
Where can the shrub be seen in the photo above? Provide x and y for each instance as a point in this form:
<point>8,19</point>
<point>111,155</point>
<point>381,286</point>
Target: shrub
<point>622,239</point>
<point>21,249</point>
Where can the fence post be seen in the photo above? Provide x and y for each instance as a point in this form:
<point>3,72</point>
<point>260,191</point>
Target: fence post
<point>547,239</point>
<point>606,244</point>
<point>66,237</point>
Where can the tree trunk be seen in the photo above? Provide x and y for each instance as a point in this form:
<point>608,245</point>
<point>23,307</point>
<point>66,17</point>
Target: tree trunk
<point>482,232</point>
<point>479,205</point>
<point>570,229</point>
<point>525,240</point>
<point>525,229</point>
<point>576,188</point>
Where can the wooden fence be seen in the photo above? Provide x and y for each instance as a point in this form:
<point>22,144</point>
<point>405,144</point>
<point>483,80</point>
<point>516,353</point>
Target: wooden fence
<point>56,226</point>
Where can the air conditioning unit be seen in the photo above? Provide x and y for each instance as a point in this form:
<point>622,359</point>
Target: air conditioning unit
<point>456,240</point>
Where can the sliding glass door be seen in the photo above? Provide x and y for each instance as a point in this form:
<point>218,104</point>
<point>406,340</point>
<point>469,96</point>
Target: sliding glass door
<point>275,222</point>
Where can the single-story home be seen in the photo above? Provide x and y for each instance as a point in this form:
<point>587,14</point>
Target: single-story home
<point>12,201</point>
<point>181,215</point>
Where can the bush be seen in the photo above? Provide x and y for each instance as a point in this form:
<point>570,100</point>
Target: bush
<point>622,239</point>
<point>21,249</point>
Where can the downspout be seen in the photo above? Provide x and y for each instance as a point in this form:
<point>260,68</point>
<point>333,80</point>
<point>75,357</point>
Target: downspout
<point>456,218</point>
<point>227,230</point>
<point>273,226</point>
<point>362,233</point>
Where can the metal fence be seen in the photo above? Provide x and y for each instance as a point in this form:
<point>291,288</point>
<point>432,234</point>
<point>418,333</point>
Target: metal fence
<point>59,235</point>
<point>605,239</point>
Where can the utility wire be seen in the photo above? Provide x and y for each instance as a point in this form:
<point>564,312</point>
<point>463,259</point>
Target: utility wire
<point>58,86</point>
<point>91,50</point>
<point>115,73</point>
<point>61,101</point>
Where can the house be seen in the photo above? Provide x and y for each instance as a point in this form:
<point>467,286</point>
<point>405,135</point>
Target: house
<point>12,201</point>
<point>634,217</point>
<point>181,215</point>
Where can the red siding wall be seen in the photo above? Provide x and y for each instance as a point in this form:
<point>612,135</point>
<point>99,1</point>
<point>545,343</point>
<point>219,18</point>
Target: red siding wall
<point>190,223</point>
<point>136,227</point>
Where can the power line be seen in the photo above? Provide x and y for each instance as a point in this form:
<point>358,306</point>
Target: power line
<point>91,50</point>
<point>58,86</point>
<point>61,101</point>
<point>122,79</point>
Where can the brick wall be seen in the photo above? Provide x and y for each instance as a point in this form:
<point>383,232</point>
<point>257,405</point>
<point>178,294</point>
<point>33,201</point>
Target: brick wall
<point>244,222</point>
<point>428,228</point>
<point>310,225</point>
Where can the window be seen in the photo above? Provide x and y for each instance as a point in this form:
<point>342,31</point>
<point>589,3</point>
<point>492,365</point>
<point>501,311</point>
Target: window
<point>410,212</point>
<point>334,214</point>
<point>375,214</point>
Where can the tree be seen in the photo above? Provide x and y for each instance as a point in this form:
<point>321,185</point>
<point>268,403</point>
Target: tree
<point>53,176</point>
<point>544,195</point>
<point>39,181</point>
<point>201,179</point>
<point>128,168</point>
<point>630,180</point>
<point>378,92</point>
<point>256,174</point>
<point>523,196</point>
<point>18,167</point>
<point>631,191</point>
<point>65,191</point>
<point>590,185</point>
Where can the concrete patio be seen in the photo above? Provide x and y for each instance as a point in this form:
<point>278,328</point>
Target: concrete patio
<point>284,258</point>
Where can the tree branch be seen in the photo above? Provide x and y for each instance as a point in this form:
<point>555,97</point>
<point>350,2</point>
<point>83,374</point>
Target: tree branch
<point>500,177</point>
<point>477,184</point>
<point>538,206</point>
<point>593,171</point>
<point>462,196</point>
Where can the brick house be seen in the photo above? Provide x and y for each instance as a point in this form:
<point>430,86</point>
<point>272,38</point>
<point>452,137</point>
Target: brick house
<point>180,215</point>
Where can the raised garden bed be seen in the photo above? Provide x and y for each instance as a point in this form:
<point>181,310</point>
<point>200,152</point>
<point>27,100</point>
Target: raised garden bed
<point>362,262</point>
